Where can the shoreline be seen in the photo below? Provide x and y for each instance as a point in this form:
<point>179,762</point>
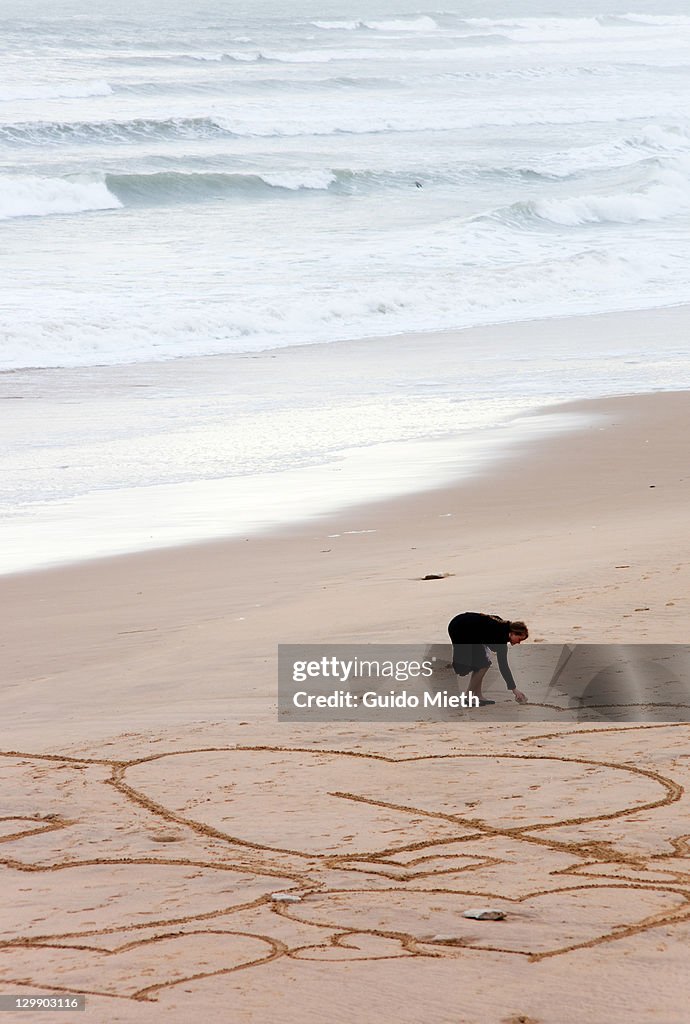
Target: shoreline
<point>417,332</point>
<point>182,472</point>
<point>380,474</point>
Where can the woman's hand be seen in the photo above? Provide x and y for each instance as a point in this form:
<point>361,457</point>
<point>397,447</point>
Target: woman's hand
<point>519,696</point>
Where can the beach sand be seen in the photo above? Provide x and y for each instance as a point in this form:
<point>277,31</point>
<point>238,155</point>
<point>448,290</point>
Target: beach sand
<point>153,802</point>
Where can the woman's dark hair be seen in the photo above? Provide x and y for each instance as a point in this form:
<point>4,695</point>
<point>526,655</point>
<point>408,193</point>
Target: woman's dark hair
<point>518,626</point>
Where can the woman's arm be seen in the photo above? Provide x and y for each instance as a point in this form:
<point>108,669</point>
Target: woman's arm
<point>504,667</point>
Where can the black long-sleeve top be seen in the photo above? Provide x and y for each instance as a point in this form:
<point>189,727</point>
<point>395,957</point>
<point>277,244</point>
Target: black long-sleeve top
<point>478,628</point>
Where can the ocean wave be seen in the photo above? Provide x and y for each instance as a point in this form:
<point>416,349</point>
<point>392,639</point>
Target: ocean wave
<point>62,329</point>
<point>250,86</point>
<point>270,56</point>
<point>196,186</point>
<point>666,194</point>
<point>38,133</point>
<point>186,57</point>
<point>40,197</point>
<point>323,56</point>
<point>423,23</point>
<point>661,20</point>
<point>253,57</point>
<point>665,197</point>
<point>55,91</point>
<point>30,196</point>
<point>41,133</point>
<point>110,190</point>
<point>567,30</point>
<point>651,143</point>
<point>656,203</point>
<point>181,186</point>
<point>34,196</point>
<point>347,26</point>
<point>266,56</point>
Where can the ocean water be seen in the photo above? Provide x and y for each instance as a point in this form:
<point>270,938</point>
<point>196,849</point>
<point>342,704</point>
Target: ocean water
<point>186,181</point>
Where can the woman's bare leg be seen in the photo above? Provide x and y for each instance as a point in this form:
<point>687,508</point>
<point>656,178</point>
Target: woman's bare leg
<point>475,683</point>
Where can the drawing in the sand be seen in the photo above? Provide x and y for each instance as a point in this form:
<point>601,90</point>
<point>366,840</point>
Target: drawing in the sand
<point>359,892</point>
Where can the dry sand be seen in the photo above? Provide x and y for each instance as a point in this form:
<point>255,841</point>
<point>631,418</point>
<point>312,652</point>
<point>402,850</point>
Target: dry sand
<point>152,803</point>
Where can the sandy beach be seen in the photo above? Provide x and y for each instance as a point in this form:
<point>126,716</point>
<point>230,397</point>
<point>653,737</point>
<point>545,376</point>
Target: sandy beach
<point>154,804</point>
<point>322,324</point>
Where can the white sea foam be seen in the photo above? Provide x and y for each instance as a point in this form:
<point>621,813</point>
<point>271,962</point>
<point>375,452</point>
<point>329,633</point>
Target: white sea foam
<point>563,29</point>
<point>647,143</point>
<point>663,20</point>
<point>666,197</point>
<point>50,329</point>
<point>421,24</point>
<point>29,196</point>
<point>348,26</point>
<point>57,90</point>
<point>294,180</point>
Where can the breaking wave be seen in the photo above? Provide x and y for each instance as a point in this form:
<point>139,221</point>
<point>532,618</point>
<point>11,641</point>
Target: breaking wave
<point>178,186</point>
<point>38,133</point>
<point>666,196</point>
<point>420,24</point>
<point>30,196</point>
